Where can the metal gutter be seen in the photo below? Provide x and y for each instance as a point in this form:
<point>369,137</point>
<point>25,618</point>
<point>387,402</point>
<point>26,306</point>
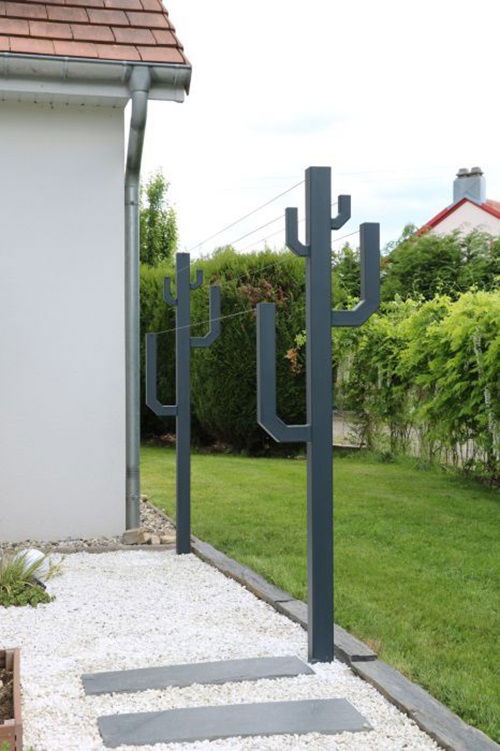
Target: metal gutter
<point>140,82</point>
<point>45,75</point>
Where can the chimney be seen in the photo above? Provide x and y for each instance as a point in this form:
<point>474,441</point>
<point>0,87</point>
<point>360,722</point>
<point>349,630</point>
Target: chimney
<point>469,184</point>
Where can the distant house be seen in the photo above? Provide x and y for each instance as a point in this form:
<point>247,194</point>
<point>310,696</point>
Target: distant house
<point>470,209</point>
<point>69,264</point>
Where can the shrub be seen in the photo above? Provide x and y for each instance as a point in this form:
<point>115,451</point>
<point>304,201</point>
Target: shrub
<point>430,368</point>
<point>156,315</point>
<point>426,265</point>
<point>224,375</point>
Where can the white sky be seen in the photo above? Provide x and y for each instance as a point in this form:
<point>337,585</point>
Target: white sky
<point>394,96</point>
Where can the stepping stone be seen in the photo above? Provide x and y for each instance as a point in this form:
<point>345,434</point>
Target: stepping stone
<point>227,671</point>
<point>209,723</point>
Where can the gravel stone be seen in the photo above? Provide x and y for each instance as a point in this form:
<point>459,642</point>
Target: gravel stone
<point>129,609</point>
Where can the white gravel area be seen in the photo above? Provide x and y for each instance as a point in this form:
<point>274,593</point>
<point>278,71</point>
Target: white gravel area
<point>137,609</point>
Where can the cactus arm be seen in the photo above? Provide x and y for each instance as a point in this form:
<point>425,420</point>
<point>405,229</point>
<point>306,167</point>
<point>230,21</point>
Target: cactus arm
<point>369,252</point>
<point>292,233</point>
<point>214,333</point>
<point>344,203</point>
<point>266,381</point>
<point>167,292</point>
<point>199,280</point>
<point>162,410</point>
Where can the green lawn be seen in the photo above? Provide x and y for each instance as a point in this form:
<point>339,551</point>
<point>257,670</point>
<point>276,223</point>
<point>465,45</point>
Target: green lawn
<point>416,557</point>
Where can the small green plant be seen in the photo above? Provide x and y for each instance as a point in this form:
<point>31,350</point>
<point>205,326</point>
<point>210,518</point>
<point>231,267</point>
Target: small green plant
<point>18,581</point>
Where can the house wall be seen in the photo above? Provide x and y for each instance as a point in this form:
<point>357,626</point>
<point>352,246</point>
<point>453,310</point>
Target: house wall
<point>62,341</point>
<point>466,218</point>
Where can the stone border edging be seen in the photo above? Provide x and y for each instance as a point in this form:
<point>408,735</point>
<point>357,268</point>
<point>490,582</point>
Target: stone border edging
<point>442,725</point>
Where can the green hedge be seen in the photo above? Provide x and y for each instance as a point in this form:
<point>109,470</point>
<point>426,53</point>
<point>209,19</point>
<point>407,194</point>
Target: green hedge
<point>157,316</point>
<point>431,370</point>
<point>224,375</point>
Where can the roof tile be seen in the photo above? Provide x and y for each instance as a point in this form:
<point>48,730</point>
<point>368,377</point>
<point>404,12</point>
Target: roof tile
<point>114,17</point>
<point>100,29</point>
<point>91,33</point>
<point>76,49</point>
<point>152,5</point>
<point>25,10</point>
<point>29,45</point>
<point>86,3</point>
<point>165,37</point>
<point>161,54</point>
<point>64,13</point>
<point>133,36</point>
<point>50,30</point>
<point>124,4</point>
<point>15,26</point>
<point>153,20</point>
<point>117,51</point>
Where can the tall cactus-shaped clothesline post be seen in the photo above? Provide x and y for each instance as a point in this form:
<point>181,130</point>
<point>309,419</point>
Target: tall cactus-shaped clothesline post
<point>182,409</point>
<point>317,432</point>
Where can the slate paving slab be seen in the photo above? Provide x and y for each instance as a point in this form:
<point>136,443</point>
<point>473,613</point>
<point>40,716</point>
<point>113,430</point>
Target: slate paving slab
<point>327,716</point>
<point>224,671</point>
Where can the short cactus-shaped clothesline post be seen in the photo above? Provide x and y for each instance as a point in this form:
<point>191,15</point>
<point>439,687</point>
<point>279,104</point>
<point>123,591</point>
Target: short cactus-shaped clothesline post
<point>181,410</point>
<point>317,432</point>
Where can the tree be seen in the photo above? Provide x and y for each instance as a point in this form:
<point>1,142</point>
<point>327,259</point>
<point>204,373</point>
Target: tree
<point>426,265</point>
<point>158,223</point>
<point>346,281</point>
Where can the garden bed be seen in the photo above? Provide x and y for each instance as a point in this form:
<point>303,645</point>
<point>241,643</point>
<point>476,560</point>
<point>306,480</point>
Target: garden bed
<point>10,700</point>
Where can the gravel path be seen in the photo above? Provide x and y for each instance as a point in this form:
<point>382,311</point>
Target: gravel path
<point>135,609</point>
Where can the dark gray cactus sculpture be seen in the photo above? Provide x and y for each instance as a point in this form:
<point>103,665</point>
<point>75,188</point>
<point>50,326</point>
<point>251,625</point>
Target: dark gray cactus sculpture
<point>182,409</point>
<point>318,430</point>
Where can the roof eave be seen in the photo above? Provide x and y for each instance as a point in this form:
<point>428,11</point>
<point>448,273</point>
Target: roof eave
<point>450,209</point>
<point>77,79</point>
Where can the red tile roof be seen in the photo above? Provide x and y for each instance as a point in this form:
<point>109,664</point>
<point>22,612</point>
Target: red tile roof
<point>129,30</point>
<point>491,207</point>
<point>495,205</point>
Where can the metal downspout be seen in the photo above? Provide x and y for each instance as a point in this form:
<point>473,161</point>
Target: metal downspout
<point>139,85</point>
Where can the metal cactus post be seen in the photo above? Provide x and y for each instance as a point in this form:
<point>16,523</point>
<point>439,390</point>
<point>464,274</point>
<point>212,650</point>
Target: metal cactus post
<point>317,432</point>
<point>182,409</point>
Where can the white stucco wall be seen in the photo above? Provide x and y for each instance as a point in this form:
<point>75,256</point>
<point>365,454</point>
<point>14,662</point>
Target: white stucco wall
<point>62,376</point>
<point>466,218</point>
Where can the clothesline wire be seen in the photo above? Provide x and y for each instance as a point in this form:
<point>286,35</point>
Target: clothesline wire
<point>263,239</point>
<point>210,320</point>
<point>250,213</point>
<point>250,274</point>
<point>233,281</point>
<point>276,219</point>
<point>296,185</point>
